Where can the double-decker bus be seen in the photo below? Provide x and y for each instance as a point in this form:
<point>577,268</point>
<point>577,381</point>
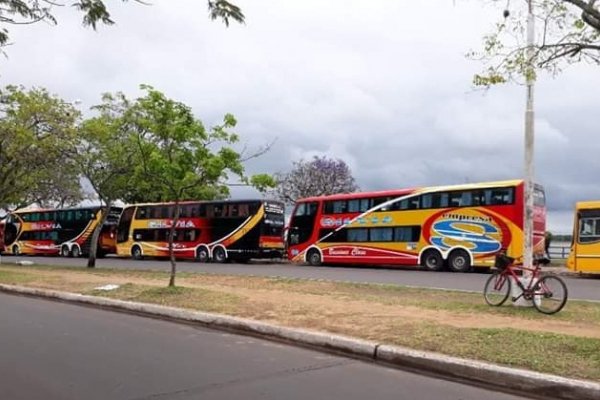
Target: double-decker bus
<point>205,231</point>
<point>66,232</point>
<point>458,227</point>
<point>2,235</point>
<point>585,249</point>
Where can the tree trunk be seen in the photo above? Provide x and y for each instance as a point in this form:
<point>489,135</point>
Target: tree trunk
<point>96,235</point>
<point>171,240</point>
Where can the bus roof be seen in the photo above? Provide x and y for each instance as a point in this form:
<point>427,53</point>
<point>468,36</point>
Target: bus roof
<point>188,202</point>
<point>38,210</point>
<point>590,204</point>
<point>400,192</point>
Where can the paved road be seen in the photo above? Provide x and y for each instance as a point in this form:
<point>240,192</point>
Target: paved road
<point>60,351</point>
<point>579,288</point>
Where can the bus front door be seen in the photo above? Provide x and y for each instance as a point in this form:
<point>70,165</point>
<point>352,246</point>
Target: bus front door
<point>587,244</point>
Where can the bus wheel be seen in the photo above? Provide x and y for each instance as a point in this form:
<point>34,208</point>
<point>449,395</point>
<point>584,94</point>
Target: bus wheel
<point>64,251</point>
<point>202,255</point>
<point>314,258</point>
<point>16,251</point>
<point>136,253</point>
<point>219,255</point>
<point>76,252</point>
<point>459,261</point>
<point>432,260</point>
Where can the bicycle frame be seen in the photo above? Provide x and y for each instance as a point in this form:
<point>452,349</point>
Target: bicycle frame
<point>527,291</point>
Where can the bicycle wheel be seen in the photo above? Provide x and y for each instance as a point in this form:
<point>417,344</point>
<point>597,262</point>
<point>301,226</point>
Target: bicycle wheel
<point>497,289</point>
<point>550,294</point>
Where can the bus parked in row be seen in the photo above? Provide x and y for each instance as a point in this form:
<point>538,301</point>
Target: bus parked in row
<point>458,227</point>
<point>206,230</point>
<point>585,249</point>
<point>2,235</point>
<point>66,232</point>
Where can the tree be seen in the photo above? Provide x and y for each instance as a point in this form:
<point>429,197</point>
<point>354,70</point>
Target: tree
<point>105,158</point>
<point>178,158</point>
<point>568,31</point>
<point>37,131</point>
<point>317,177</point>
<point>19,12</point>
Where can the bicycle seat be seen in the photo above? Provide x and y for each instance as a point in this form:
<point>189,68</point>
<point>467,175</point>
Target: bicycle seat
<point>502,261</point>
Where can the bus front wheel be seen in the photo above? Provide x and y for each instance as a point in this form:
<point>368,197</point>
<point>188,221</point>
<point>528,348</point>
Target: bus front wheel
<point>76,252</point>
<point>314,258</point>
<point>459,261</point>
<point>65,252</point>
<point>202,255</point>
<point>136,253</point>
<point>432,260</point>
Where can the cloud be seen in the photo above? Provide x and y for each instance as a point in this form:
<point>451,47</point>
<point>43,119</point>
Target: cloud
<point>383,85</point>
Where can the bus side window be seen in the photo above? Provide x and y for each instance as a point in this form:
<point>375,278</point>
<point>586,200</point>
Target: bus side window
<point>455,199</point>
<point>354,205</point>
<point>589,230</point>
<point>358,234</point>
<point>340,206</point>
<point>243,210</point>
<point>300,210</point>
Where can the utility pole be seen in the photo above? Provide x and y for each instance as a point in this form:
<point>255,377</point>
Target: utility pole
<point>529,135</point>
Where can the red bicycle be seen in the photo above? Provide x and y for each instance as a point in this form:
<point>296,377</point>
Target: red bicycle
<point>548,293</point>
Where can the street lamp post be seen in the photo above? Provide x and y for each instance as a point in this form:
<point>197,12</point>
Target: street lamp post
<point>529,136</point>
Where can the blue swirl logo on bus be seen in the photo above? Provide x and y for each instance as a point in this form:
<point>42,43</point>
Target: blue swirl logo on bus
<point>479,237</point>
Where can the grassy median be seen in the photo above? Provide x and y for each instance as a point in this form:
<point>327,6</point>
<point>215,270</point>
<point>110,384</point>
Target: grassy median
<point>449,322</point>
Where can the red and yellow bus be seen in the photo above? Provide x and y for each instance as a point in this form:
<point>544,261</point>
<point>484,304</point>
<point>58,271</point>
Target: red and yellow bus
<point>1,235</point>
<point>458,227</point>
<point>66,232</point>
<point>584,256</point>
<point>206,230</point>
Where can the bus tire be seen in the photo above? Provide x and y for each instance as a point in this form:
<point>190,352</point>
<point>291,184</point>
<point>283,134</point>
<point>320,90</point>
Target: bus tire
<point>202,255</point>
<point>136,253</point>
<point>76,252</point>
<point>314,258</point>
<point>219,255</point>
<point>16,251</point>
<point>459,261</point>
<point>432,260</point>
<point>65,252</point>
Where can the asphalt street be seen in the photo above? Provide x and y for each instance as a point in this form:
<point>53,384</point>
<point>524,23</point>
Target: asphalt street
<point>584,288</point>
<point>52,350</point>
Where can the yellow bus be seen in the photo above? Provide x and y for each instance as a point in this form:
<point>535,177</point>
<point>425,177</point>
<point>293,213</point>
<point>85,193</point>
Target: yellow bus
<point>457,227</point>
<point>215,231</point>
<point>585,248</point>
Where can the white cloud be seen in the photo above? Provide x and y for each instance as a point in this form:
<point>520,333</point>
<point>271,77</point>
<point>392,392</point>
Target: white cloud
<point>383,85</point>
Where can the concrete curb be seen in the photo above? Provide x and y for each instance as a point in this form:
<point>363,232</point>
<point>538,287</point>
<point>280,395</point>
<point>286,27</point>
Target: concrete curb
<point>502,378</point>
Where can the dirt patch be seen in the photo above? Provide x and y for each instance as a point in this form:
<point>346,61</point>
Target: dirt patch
<point>319,305</point>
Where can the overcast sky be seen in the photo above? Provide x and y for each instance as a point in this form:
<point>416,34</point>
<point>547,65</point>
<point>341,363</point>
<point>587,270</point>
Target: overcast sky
<point>382,84</point>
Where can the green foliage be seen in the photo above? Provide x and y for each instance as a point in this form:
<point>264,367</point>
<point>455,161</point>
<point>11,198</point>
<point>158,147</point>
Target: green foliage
<point>37,136</point>
<point>567,32</point>
<point>94,12</point>
<point>173,156</point>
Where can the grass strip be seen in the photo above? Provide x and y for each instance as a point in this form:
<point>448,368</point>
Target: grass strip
<point>452,323</point>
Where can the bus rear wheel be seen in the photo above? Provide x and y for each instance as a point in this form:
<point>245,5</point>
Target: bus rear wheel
<point>219,255</point>
<point>136,253</point>
<point>432,260</point>
<point>314,258</point>
<point>459,261</point>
